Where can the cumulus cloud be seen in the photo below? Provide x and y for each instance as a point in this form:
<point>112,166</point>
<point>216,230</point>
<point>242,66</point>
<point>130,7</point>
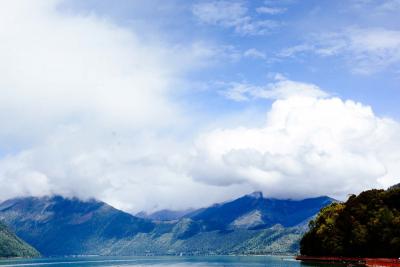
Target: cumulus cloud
<point>136,172</point>
<point>232,14</point>
<point>309,145</point>
<point>55,66</point>
<point>86,110</point>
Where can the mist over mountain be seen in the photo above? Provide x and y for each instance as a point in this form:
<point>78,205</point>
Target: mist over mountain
<point>157,104</point>
<point>250,224</point>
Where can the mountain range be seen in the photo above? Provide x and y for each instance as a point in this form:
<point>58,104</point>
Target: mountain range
<point>251,224</point>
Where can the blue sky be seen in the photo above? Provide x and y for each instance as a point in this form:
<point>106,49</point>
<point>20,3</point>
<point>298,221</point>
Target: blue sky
<point>293,24</point>
<point>145,103</point>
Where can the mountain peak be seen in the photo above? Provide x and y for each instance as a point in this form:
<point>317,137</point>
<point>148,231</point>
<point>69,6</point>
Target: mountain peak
<point>256,194</point>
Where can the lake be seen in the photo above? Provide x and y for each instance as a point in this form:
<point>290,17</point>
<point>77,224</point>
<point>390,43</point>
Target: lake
<point>206,261</point>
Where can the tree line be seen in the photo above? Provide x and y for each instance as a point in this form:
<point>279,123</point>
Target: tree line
<point>367,225</point>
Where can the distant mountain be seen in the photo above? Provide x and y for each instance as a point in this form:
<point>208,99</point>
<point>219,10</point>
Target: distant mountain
<point>61,226</point>
<point>12,246</point>
<point>164,215</point>
<point>256,212</point>
<point>396,186</point>
<point>250,224</point>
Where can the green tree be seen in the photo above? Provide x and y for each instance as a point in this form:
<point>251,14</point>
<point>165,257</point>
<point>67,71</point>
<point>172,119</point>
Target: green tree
<point>367,225</point>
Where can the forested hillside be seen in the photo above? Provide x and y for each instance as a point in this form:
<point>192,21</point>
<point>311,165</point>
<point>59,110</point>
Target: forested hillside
<point>367,225</point>
<point>12,246</point>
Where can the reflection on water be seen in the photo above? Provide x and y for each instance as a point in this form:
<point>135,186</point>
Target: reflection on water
<point>209,261</point>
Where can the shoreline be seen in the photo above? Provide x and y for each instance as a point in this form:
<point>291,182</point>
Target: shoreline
<point>357,261</point>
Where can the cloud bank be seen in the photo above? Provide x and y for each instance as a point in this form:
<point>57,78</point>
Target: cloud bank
<point>89,109</point>
<point>311,144</point>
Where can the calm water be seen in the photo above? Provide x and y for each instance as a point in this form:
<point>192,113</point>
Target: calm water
<point>211,261</point>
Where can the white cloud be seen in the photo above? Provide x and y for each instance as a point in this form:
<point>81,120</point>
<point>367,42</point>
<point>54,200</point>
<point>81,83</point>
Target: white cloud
<point>308,146</point>
<point>141,171</point>
<point>295,50</point>
<point>378,7</point>
<point>282,88</point>
<point>367,50</point>
<point>232,14</point>
<point>390,5</point>
<point>271,10</point>
<point>220,12</point>
<point>55,66</point>
<point>207,53</point>
<point>254,53</point>
<point>371,49</point>
<point>86,110</point>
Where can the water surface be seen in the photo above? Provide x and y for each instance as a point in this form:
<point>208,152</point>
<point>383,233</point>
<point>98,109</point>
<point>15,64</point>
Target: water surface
<point>206,261</point>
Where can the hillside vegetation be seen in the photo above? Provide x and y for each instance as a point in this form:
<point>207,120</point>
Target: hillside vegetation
<point>367,225</point>
<point>12,246</point>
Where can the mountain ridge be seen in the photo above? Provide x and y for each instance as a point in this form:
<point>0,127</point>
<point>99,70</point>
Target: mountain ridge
<point>165,214</point>
<point>96,228</point>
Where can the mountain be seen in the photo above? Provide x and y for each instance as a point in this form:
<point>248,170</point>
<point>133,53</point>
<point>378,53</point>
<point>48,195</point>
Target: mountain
<point>80,226</point>
<point>250,224</point>
<point>164,215</point>
<point>256,212</point>
<point>12,246</point>
<point>396,186</point>
<point>367,225</point>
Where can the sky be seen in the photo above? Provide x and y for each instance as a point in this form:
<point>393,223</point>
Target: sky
<point>151,105</point>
